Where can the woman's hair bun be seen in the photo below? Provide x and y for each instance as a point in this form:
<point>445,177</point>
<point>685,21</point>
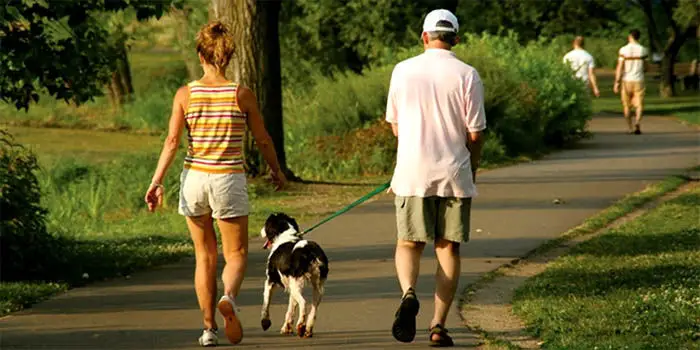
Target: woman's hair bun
<point>218,28</point>
<point>215,44</point>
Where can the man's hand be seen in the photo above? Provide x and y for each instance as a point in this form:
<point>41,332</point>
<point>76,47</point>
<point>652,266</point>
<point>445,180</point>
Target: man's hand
<point>596,92</point>
<point>616,88</point>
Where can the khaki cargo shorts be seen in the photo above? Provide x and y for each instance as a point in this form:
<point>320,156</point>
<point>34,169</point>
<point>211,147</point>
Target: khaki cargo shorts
<point>632,94</point>
<point>225,196</point>
<point>428,219</point>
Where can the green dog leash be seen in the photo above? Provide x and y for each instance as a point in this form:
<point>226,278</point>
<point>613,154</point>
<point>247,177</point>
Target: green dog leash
<point>374,192</point>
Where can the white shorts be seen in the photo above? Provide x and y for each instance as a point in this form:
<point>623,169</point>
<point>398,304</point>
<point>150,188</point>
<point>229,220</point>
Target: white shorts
<point>225,196</point>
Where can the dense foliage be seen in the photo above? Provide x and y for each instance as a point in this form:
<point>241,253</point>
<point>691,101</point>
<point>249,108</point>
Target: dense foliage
<point>24,241</point>
<point>532,103</point>
<point>536,19</point>
<point>60,46</point>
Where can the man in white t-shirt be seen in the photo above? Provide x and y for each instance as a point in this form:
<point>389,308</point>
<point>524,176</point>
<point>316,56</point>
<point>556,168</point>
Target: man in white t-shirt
<point>629,74</point>
<point>583,65</point>
<point>436,109</point>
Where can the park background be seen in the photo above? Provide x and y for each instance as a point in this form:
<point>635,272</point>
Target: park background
<point>87,88</point>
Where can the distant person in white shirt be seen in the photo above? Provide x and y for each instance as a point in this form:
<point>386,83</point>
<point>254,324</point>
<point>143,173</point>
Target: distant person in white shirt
<point>631,65</point>
<point>436,109</point>
<point>583,65</point>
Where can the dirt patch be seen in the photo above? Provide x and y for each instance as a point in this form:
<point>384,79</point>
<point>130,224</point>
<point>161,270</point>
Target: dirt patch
<point>488,309</point>
<point>358,141</point>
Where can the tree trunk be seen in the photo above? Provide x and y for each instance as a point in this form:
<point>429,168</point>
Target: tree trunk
<point>272,81</point>
<point>677,37</point>
<point>124,69</point>
<point>667,76</point>
<point>185,41</point>
<point>116,90</point>
<point>256,64</point>
<point>120,86</point>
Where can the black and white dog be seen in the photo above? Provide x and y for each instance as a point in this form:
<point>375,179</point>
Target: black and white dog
<point>292,262</point>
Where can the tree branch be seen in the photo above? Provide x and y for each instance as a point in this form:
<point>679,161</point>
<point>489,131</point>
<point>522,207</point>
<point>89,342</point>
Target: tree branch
<point>668,10</point>
<point>651,23</point>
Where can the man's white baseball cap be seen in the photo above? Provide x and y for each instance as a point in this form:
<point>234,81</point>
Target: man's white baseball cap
<point>431,21</point>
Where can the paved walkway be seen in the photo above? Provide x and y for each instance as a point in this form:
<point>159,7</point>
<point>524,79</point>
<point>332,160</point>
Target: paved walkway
<point>157,309</point>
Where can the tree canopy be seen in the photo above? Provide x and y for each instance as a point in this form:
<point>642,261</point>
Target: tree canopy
<point>535,19</point>
<point>338,35</point>
<point>60,46</point>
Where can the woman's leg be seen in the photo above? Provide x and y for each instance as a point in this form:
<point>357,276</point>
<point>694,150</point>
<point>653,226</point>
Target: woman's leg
<point>234,239</point>
<point>204,238</point>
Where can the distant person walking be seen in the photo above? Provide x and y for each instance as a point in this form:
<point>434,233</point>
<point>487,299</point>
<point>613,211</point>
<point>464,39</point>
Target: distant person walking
<point>436,109</point>
<point>629,79</point>
<point>215,111</point>
<point>583,65</point>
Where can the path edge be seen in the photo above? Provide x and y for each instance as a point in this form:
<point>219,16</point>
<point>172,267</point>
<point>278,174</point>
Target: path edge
<point>639,201</point>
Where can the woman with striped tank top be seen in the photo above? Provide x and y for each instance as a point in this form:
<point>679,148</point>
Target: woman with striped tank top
<point>215,112</point>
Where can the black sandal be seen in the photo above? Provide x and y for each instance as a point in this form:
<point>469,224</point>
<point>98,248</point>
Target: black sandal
<point>404,328</point>
<point>443,340</point>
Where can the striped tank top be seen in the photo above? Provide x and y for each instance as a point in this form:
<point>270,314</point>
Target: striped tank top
<point>215,128</point>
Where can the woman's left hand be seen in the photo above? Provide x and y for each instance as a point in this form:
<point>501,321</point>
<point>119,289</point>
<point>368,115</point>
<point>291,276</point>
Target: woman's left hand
<point>154,196</point>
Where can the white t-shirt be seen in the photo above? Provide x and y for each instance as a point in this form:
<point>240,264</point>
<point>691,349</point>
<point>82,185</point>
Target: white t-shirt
<point>435,99</point>
<point>633,56</point>
<point>580,61</point>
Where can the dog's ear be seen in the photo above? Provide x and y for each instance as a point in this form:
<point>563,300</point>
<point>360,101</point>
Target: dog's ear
<point>271,228</point>
<point>294,224</point>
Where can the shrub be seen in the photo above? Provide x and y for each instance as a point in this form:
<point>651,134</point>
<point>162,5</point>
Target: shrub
<point>563,102</point>
<point>336,105</point>
<point>69,241</point>
<point>532,103</point>
<point>27,249</point>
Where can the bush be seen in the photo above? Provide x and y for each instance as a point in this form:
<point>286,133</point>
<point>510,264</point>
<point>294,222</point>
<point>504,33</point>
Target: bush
<point>71,240</point>
<point>27,249</point>
<point>532,103</point>
<point>563,102</point>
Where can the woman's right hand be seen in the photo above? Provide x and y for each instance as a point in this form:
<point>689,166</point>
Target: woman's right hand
<point>278,179</point>
<point>154,196</point>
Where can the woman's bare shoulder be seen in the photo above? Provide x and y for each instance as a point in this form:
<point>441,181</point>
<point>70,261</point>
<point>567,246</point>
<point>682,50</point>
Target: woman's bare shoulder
<point>182,96</point>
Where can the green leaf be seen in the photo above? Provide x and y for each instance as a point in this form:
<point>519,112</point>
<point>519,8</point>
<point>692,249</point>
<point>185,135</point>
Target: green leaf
<point>57,30</point>
<point>40,3</point>
<point>15,14</point>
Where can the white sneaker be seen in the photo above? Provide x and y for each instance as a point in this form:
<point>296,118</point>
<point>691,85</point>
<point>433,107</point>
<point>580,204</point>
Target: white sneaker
<point>209,338</point>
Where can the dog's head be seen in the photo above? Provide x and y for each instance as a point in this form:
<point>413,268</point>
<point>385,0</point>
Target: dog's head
<point>278,224</point>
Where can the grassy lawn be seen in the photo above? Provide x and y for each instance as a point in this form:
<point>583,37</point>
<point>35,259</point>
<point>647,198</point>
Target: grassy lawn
<point>685,106</point>
<point>52,144</point>
<point>637,286</point>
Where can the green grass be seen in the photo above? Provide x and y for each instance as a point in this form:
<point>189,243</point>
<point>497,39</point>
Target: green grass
<point>52,144</point>
<point>623,207</point>
<point>636,286</point>
<point>685,106</point>
<point>15,296</point>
